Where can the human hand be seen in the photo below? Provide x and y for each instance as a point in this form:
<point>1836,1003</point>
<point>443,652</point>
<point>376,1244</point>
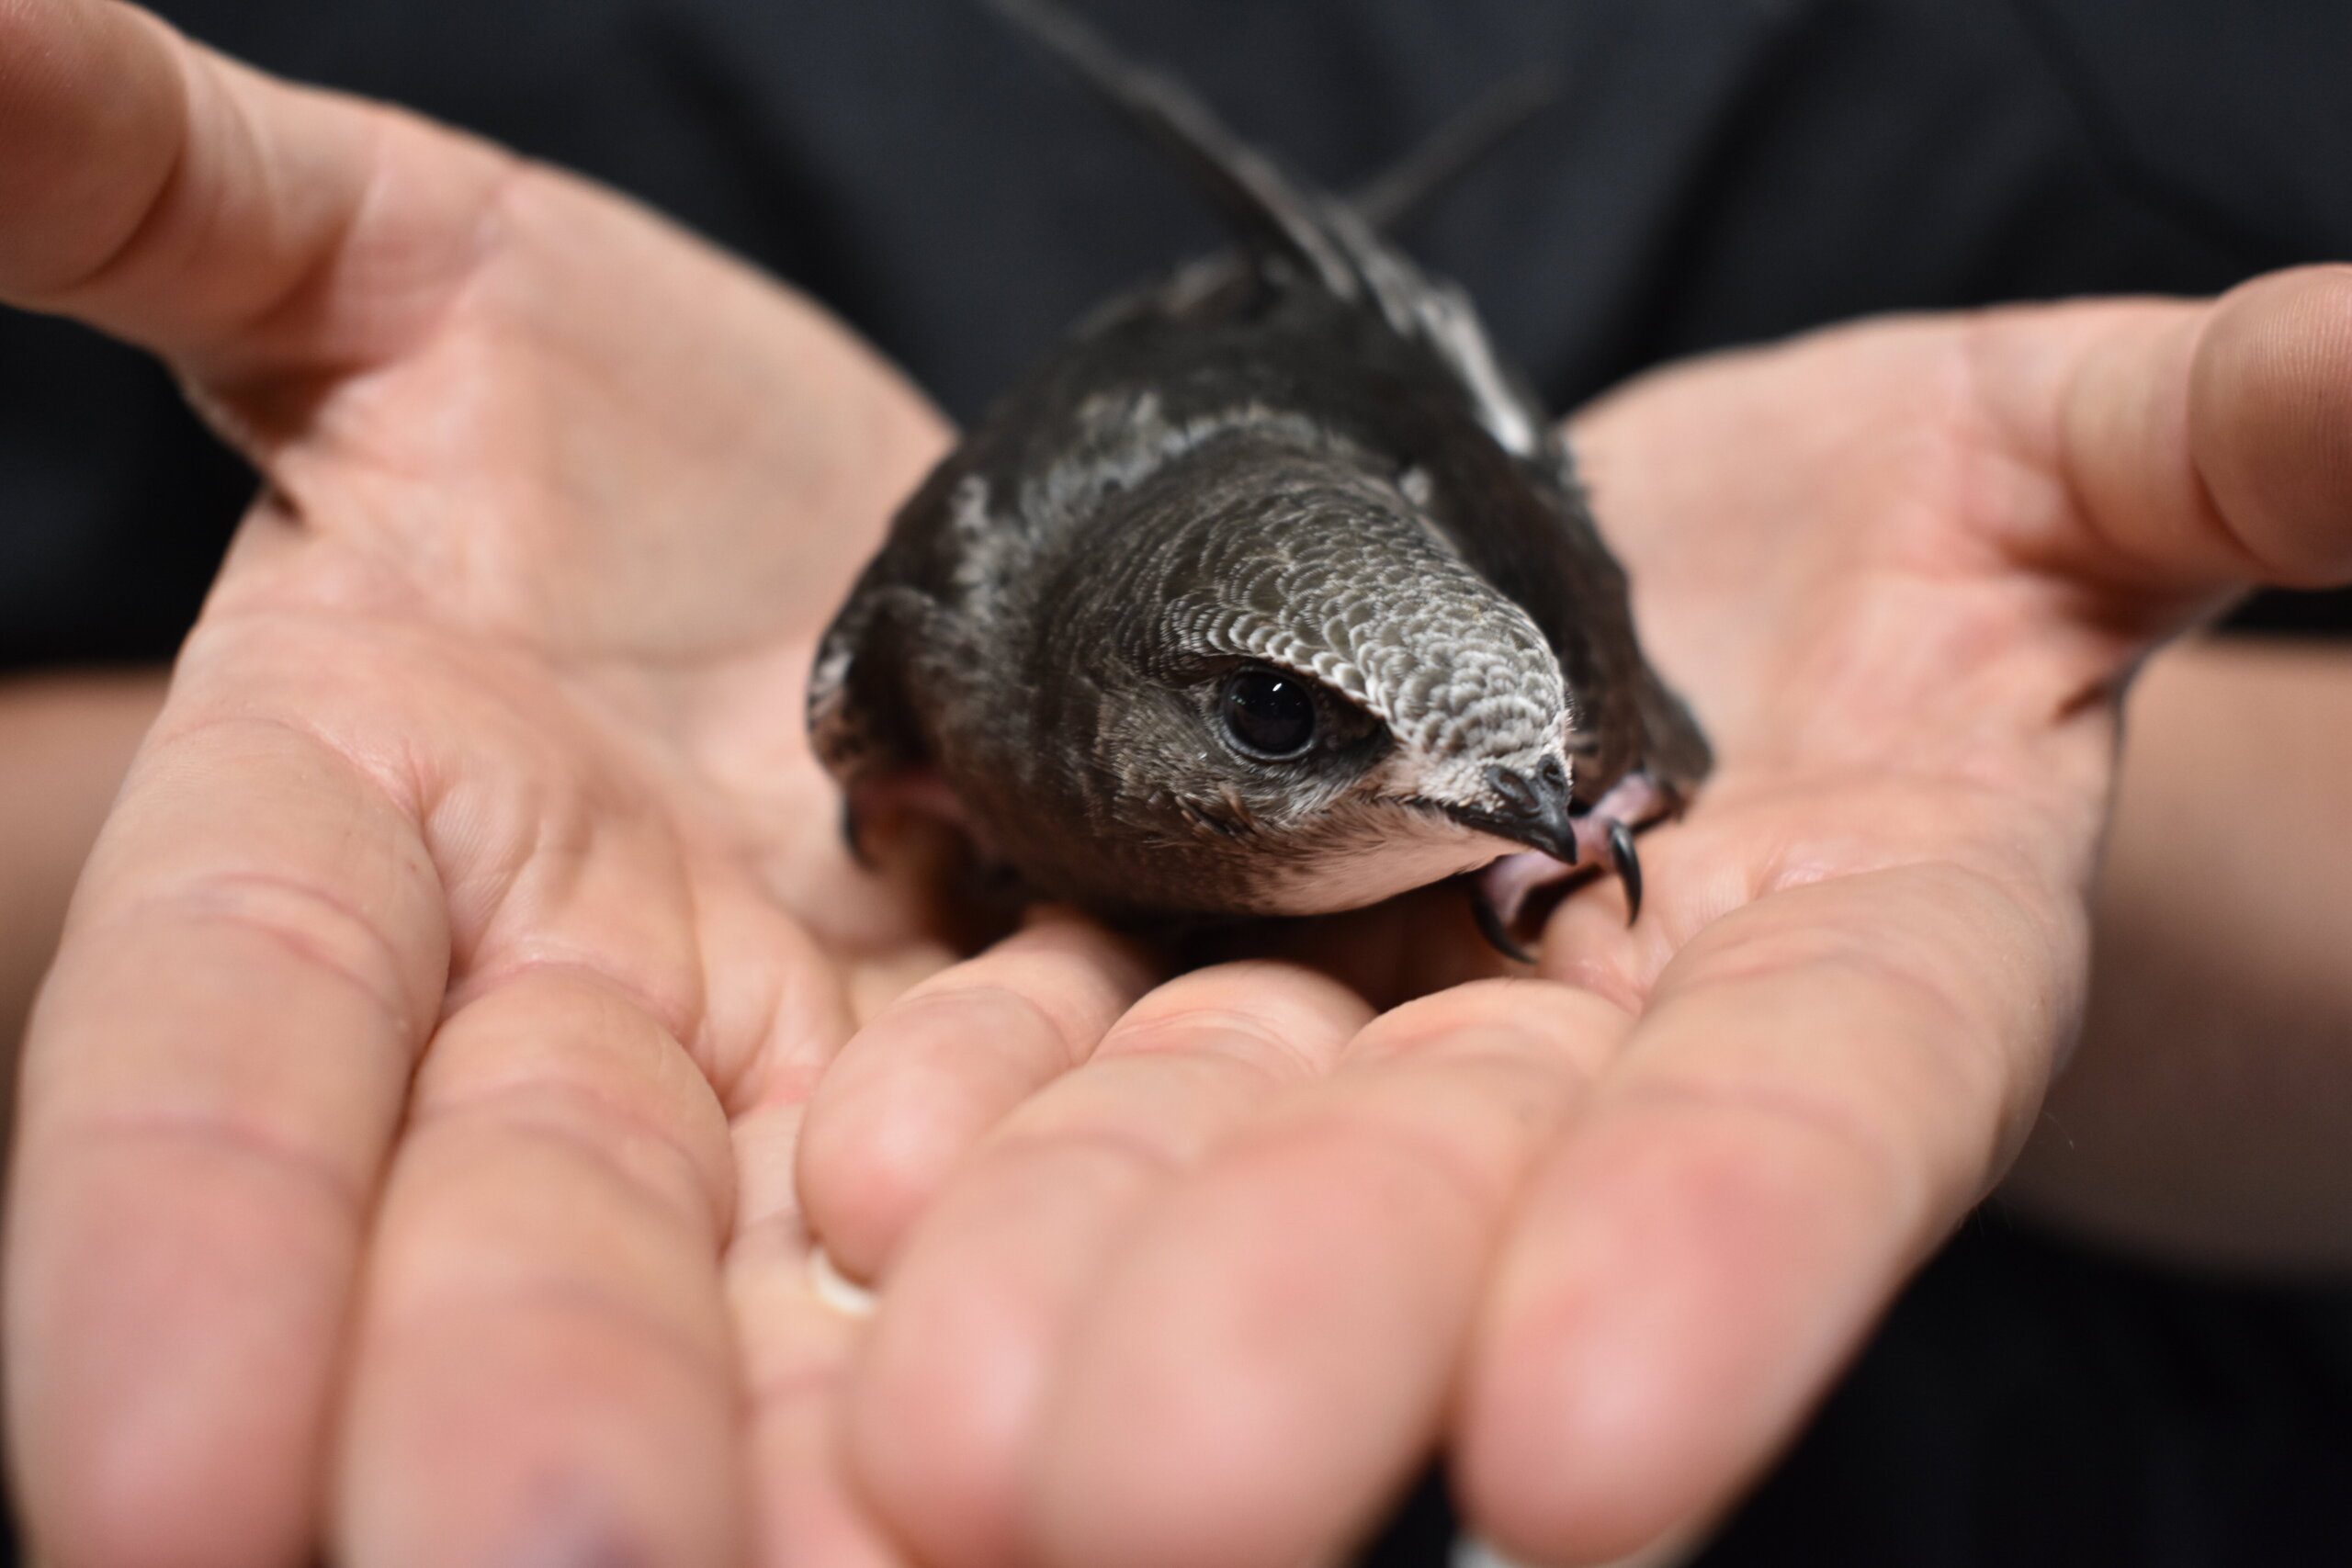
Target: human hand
<point>408,1118</point>
<point>1204,1287</point>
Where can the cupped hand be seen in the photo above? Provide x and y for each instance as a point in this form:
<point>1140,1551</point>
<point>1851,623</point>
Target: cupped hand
<point>408,1121</point>
<point>1204,1285</point>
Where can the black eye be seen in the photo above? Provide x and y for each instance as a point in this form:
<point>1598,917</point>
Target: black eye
<point>1269,713</point>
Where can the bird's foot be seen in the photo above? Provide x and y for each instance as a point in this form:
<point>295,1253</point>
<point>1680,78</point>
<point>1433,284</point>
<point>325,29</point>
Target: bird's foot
<point>1513,896</point>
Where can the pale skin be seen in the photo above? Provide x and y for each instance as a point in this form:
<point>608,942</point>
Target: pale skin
<point>410,1126</point>
<point>66,740</point>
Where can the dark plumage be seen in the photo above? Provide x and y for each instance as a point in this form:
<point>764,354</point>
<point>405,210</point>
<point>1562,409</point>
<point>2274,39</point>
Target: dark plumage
<point>1271,592</point>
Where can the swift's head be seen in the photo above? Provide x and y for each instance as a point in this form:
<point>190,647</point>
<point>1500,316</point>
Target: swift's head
<point>1266,685</point>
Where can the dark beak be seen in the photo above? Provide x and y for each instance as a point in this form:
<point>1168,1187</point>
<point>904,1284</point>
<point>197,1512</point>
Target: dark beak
<point>1532,811</point>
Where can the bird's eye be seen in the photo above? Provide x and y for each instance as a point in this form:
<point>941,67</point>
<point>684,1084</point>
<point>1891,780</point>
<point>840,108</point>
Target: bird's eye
<point>1270,715</point>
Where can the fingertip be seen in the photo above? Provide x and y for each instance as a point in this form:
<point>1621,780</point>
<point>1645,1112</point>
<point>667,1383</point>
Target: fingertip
<point>1540,1463</point>
<point>79,167</point>
<point>944,1392</point>
<point>1682,1280</point>
<point>874,1149</point>
<point>2270,421</point>
<point>1672,1298</point>
<point>926,1438</point>
<point>911,1093</point>
<point>1564,1445</point>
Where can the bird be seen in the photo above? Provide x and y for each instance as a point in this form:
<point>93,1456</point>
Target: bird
<point>1271,591</point>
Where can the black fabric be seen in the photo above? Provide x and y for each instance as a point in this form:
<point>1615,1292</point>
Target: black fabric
<point>2033,1405</point>
<point>1711,172</point>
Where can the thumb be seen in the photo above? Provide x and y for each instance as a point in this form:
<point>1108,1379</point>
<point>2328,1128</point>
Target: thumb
<point>2270,422</point>
<point>245,228</point>
<point>2211,446</point>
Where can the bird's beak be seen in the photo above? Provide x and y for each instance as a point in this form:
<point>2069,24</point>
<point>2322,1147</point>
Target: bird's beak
<point>1530,811</point>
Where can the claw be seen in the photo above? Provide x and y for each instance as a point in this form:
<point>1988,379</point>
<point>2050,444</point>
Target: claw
<point>1629,868</point>
<point>1492,926</point>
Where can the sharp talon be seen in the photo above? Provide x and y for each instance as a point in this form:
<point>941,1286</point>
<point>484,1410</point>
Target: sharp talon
<point>1491,927</point>
<point>1629,868</point>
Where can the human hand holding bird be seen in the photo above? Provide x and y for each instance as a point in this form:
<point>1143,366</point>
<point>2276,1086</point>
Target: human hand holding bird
<point>1206,1284</point>
<point>419,1076</point>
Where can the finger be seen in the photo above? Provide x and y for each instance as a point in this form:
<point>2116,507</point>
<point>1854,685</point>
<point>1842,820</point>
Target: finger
<point>945,1394</point>
<point>793,1337</point>
<point>545,1370</point>
<point>1269,1361</point>
<point>2206,445</point>
<point>795,1348</point>
<point>275,241</point>
<point>1408,946</point>
<point>2270,421</point>
<point>916,1089</point>
<point>175,199</point>
<point>1824,1082</point>
<point>212,1079</point>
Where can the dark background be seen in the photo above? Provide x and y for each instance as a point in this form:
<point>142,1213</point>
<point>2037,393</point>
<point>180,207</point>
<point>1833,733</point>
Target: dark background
<point>1708,173</point>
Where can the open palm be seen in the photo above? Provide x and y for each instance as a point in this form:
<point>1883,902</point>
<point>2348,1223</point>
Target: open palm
<point>1206,1283</point>
<point>408,1117</point>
